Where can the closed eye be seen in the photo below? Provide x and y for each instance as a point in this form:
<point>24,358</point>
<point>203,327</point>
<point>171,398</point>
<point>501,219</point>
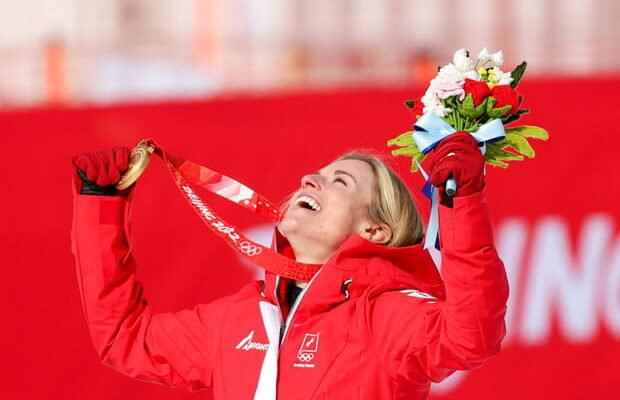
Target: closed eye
<point>340,180</point>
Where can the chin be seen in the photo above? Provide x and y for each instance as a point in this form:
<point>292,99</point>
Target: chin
<point>293,223</point>
<point>287,226</point>
<point>297,231</point>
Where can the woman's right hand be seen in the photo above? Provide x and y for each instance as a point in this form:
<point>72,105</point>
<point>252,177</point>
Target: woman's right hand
<point>103,168</point>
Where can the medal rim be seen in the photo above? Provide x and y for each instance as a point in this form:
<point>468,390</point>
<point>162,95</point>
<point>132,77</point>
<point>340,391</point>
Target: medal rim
<point>140,157</point>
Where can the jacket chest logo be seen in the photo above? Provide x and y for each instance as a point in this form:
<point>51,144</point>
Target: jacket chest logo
<point>247,344</point>
<point>307,351</point>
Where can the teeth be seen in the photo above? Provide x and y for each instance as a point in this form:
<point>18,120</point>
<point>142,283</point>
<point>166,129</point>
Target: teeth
<point>309,201</point>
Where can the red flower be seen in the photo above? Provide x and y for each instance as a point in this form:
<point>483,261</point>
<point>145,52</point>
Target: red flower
<point>479,90</point>
<point>505,95</point>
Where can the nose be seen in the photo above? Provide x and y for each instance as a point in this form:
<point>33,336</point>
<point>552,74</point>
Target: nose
<point>311,181</point>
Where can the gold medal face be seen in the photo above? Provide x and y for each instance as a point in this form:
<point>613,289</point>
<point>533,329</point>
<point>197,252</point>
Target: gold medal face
<point>137,164</point>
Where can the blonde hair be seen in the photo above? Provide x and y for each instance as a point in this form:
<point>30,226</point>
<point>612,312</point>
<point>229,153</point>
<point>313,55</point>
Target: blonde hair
<point>392,203</point>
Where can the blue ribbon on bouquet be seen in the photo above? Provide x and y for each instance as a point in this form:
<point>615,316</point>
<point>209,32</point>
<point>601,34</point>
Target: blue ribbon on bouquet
<point>428,131</point>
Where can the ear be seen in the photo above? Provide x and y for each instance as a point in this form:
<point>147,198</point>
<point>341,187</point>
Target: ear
<point>377,233</point>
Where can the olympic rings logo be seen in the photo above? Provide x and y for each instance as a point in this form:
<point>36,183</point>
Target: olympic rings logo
<point>305,357</point>
<point>249,249</point>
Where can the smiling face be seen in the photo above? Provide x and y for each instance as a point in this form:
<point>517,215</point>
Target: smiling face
<point>329,206</point>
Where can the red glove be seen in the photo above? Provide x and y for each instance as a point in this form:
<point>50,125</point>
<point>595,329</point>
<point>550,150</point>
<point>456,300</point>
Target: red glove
<point>103,168</point>
<point>458,156</point>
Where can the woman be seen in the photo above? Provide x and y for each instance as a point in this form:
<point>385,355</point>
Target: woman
<point>375,322</point>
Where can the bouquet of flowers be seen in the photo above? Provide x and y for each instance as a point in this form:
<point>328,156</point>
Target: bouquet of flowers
<point>476,96</point>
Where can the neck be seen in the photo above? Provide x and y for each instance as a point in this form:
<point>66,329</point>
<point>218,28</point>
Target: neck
<point>310,253</point>
<point>305,255</point>
<point>305,250</point>
<point>311,258</point>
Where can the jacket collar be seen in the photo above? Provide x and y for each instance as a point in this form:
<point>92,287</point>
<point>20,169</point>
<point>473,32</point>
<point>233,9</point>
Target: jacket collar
<point>359,266</point>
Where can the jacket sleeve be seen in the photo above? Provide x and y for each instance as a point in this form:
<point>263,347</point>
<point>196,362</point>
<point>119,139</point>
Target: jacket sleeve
<point>174,349</point>
<point>467,327</point>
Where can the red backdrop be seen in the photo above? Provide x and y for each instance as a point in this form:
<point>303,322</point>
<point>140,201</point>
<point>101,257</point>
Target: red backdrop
<point>556,219</point>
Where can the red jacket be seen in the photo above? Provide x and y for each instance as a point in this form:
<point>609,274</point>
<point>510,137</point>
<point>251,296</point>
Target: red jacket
<point>374,323</point>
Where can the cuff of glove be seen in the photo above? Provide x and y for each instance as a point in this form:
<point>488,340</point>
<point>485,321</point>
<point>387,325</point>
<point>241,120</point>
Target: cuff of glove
<point>467,225</point>
<point>91,188</point>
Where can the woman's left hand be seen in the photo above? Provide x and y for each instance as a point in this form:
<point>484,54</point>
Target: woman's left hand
<point>459,157</point>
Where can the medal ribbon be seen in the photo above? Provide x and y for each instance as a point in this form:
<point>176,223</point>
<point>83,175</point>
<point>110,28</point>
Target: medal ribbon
<point>188,176</point>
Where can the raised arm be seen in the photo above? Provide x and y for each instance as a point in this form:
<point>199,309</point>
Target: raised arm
<point>469,324</point>
<point>438,336</point>
<point>170,348</point>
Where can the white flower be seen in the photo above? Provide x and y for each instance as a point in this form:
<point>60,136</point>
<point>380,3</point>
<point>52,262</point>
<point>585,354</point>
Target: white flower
<point>500,77</point>
<point>462,61</point>
<point>473,75</point>
<point>433,104</point>
<point>488,60</point>
<point>447,83</point>
<point>498,58</point>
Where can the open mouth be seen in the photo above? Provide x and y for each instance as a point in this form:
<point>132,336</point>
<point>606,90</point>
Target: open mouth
<point>308,203</point>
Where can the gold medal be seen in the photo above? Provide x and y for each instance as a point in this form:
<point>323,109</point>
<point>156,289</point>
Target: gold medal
<point>137,164</point>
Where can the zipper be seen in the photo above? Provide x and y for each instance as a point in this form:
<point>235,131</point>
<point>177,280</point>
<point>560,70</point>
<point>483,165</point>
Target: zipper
<point>291,313</point>
<point>277,300</point>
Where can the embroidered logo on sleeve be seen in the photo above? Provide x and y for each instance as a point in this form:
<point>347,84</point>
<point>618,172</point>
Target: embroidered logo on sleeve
<point>247,344</point>
<point>307,350</point>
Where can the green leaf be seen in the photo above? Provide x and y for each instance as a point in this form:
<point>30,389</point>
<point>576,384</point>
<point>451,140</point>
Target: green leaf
<point>517,74</point>
<point>404,139</point>
<point>520,144</point>
<point>497,163</point>
<point>473,127</point>
<point>510,118</point>
<point>514,117</point>
<point>503,155</point>
<point>410,151</point>
<point>414,164</point>
<point>498,157</point>
<point>493,112</point>
<point>467,108</point>
<point>528,131</point>
<point>451,102</point>
<point>499,112</point>
<point>481,108</point>
<point>490,103</point>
